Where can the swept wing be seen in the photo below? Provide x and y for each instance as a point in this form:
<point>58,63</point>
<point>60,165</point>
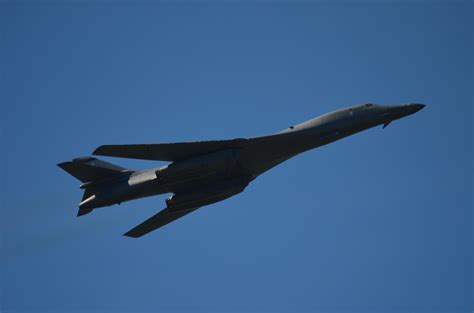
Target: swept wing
<point>168,151</point>
<point>158,220</point>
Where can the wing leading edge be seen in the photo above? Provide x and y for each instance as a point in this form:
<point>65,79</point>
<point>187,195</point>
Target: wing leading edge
<point>168,151</point>
<point>156,221</point>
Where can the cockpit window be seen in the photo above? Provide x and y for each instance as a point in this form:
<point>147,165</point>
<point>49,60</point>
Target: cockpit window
<point>369,105</point>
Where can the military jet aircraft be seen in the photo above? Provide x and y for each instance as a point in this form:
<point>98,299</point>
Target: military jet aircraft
<point>205,172</point>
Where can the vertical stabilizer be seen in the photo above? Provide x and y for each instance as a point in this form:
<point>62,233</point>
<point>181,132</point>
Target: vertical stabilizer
<point>92,173</point>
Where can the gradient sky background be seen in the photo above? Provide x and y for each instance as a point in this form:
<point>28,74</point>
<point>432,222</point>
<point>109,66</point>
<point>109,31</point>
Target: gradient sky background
<point>378,222</point>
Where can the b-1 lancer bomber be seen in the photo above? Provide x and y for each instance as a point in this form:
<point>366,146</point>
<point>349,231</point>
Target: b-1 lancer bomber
<point>204,172</point>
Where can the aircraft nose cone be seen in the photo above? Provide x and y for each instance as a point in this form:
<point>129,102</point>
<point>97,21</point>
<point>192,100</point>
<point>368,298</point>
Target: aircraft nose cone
<point>417,107</point>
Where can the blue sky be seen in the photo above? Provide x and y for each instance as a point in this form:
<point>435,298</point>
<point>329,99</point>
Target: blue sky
<point>378,222</point>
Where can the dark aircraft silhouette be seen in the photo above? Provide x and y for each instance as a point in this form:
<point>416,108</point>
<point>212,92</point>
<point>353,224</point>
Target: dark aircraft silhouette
<point>206,172</point>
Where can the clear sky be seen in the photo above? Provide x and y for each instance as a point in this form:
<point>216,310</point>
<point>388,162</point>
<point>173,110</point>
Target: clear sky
<point>378,222</point>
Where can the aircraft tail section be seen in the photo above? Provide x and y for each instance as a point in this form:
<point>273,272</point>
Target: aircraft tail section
<point>88,169</point>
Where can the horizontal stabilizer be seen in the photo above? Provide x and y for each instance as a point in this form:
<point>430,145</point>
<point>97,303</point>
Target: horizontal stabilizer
<point>168,151</point>
<point>156,221</point>
<point>89,169</point>
<point>83,211</point>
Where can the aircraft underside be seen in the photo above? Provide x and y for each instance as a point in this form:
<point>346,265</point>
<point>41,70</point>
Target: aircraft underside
<point>205,172</point>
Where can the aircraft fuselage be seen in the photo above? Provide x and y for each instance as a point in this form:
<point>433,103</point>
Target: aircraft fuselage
<point>217,174</point>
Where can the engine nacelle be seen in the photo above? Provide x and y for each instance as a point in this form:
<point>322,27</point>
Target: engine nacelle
<point>197,198</point>
<point>215,164</point>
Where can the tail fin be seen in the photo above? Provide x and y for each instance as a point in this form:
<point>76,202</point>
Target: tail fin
<point>88,169</point>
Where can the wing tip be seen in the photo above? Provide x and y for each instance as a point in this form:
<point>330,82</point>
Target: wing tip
<point>132,234</point>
